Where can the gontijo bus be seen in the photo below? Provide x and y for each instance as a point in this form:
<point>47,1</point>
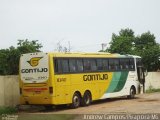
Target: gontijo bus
<point>78,78</point>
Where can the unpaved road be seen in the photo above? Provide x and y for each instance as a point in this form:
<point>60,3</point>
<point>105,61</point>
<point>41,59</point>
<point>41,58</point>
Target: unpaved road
<point>145,103</point>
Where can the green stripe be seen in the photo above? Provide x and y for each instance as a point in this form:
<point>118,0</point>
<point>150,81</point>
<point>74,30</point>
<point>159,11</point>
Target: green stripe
<point>118,82</point>
<point>114,82</point>
<point>122,81</point>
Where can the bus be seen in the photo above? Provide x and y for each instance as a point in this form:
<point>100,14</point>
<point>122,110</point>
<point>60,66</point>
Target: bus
<point>77,79</point>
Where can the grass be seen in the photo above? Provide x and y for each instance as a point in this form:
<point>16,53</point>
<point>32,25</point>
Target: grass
<point>41,116</point>
<point>46,117</point>
<point>7,110</point>
<point>152,90</point>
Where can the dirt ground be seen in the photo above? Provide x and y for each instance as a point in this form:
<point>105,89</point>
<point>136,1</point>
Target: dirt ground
<point>144,103</point>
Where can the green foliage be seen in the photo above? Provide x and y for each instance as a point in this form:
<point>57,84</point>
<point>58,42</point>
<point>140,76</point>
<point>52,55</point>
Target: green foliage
<point>25,46</point>
<point>144,45</point>
<point>122,43</point>
<point>7,110</point>
<point>145,41</point>
<point>9,58</point>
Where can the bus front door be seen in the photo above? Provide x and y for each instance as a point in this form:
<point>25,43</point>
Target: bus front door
<point>141,79</point>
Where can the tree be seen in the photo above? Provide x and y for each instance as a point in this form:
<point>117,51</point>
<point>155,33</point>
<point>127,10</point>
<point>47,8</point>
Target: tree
<point>9,58</point>
<point>143,45</point>
<point>3,63</point>
<point>122,43</point>
<point>25,46</point>
<point>148,49</point>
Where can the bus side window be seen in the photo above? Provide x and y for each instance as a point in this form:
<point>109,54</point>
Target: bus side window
<point>87,65</point>
<point>99,65</point>
<point>111,64</point>
<point>79,65</point>
<point>114,64</point>
<point>65,66</point>
<point>72,65</point>
<point>124,64</point>
<point>93,65</point>
<point>127,63</point>
<point>105,64</point>
<point>131,64</point>
<point>57,66</point>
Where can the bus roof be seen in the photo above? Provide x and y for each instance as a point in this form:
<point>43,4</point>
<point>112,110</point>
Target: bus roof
<point>84,54</point>
<point>100,54</point>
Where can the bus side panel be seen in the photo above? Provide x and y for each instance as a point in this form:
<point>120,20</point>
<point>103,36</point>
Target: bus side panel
<point>118,81</point>
<point>103,85</point>
<point>97,87</point>
<point>78,84</point>
<point>129,81</point>
<point>62,89</point>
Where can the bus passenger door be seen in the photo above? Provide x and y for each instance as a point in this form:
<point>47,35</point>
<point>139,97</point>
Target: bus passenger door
<point>141,78</point>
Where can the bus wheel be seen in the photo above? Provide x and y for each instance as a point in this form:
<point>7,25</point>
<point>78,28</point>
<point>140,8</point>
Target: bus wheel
<point>132,93</point>
<point>76,100</point>
<point>86,100</point>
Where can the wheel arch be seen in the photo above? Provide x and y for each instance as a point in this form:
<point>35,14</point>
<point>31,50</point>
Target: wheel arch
<point>78,92</point>
<point>133,88</point>
<point>88,92</point>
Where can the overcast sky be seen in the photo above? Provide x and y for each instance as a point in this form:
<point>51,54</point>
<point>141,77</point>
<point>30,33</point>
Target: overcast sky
<point>85,23</point>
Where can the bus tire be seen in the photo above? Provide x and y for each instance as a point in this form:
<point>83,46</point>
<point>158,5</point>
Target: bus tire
<point>87,99</point>
<point>132,93</point>
<point>76,100</point>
